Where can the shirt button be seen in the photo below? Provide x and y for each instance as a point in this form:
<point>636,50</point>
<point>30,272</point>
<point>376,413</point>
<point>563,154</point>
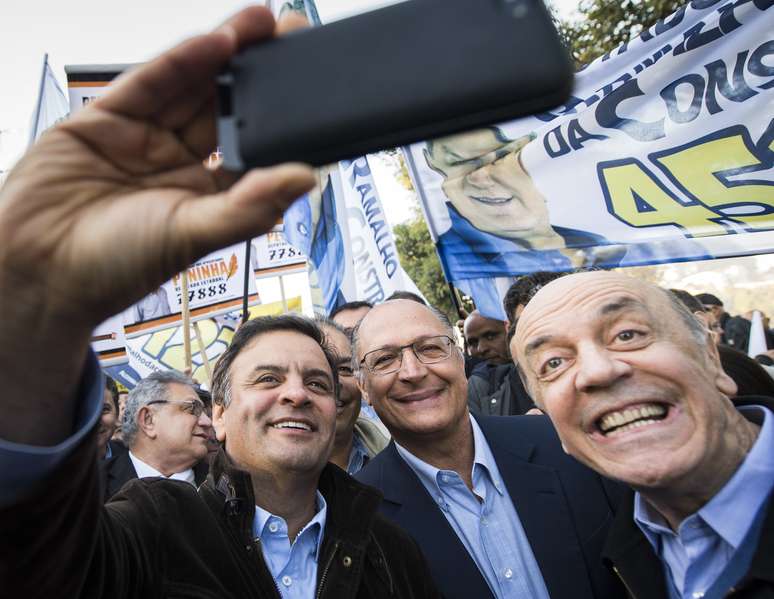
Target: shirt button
<point>508,573</point>
<point>287,581</point>
<point>273,527</point>
<point>484,521</point>
<point>494,400</point>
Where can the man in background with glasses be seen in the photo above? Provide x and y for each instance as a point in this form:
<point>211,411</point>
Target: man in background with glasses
<point>494,503</point>
<point>165,427</point>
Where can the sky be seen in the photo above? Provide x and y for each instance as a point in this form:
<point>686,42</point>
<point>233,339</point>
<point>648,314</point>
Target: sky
<point>109,32</point>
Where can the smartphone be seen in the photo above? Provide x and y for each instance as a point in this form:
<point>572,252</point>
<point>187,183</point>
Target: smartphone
<point>411,71</point>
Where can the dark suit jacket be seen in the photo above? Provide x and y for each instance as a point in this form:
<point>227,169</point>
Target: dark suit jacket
<point>631,555</point>
<point>119,470</point>
<point>565,509</point>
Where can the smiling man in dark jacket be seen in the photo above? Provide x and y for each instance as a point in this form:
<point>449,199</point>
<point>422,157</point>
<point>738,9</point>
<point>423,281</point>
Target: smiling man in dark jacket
<point>272,519</point>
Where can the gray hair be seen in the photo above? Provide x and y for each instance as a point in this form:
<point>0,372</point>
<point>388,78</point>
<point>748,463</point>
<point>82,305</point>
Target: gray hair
<point>696,327</point>
<point>154,387</point>
<point>442,318</point>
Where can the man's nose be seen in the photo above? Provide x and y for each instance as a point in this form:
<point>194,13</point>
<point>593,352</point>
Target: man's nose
<point>204,420</point>
<point>411,368</point>
<point>480,178</point>
<point>294,391</point>
<point>598,368</point>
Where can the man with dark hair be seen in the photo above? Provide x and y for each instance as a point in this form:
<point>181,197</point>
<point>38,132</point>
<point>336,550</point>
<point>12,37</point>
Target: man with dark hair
<point>165,430</point>
<point>497,389</point>
<point>349,314</point>
<point>357,438</point>
<point>106,448</point>
<point>497,507</point>
<point>522,290</point>
<point>128,170</point>
<point>634,386</point>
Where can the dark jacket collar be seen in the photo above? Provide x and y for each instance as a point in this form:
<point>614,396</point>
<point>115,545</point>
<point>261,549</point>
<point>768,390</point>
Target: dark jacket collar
<point>634,560</point>
<point>352,506</point>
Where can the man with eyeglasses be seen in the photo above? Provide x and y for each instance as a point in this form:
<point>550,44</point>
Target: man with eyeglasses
<point>495,504</point>
<point>166,428</point>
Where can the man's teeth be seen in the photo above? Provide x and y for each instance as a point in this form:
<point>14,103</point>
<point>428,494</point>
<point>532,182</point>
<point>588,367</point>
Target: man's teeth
<point>293,424</point>
<point>632,418</point>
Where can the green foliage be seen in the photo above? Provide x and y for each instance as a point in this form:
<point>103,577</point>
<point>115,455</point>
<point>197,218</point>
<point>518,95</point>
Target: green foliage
<point>419,259</point>
<point>606,24</point>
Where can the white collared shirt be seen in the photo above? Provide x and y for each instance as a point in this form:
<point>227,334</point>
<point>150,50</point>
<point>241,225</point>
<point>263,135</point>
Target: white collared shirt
<point>145,470</point>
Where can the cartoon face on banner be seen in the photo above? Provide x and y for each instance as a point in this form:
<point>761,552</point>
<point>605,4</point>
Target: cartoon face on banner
<point>485,182</point>
<point>663,153</point>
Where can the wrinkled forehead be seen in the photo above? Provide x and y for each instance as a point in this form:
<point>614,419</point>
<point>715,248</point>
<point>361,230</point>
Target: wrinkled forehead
<point>586,297</point>
<point>395,323</point>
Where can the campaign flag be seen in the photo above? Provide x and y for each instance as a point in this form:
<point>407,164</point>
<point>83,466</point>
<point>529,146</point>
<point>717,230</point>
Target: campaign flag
<point>663,153</point>
<point>163,349</point>
<point>52,105</point>
<point>342,229</point>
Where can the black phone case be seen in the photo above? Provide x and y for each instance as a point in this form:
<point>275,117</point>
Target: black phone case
<point>412,71</point>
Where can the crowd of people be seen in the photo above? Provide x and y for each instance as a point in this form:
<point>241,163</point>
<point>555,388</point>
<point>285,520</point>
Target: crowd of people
<point>598,444</point>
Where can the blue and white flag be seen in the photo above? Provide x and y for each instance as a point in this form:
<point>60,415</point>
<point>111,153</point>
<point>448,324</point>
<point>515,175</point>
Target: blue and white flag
<point>663,153</point>
<point>52,105</point>
<point>342,229</point>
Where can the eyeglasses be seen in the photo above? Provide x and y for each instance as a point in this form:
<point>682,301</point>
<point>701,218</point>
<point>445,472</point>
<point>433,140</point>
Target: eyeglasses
<point>390,359</point>
<point>194,407</point>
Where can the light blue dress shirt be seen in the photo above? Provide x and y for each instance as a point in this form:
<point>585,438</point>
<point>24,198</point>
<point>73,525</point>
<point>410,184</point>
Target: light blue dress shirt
<point>358,456</point>
<point>485,520</point>
<point>706,541</point>
<point>292,564</point>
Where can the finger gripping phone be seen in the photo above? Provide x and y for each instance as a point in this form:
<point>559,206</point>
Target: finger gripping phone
<point>411,71</point>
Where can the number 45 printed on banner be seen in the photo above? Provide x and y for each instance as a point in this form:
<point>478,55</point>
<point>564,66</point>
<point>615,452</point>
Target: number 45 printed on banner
<point>701,171</point>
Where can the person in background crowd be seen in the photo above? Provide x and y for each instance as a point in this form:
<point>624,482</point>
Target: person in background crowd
<point>715,313</point>
<point>495,504</point>
<point>486,339</point>
<point>494,388</point>
<point>522,290</point>
<point>498,390</point>
<point>128,170</point>
<point>166,430</point>
<point>122,395</point>
<point>357,439</point>
<point>633,384</point>
<point>212,441</point>
<point>106,447</point>
<point>748,375</point>
<point>349,314</point>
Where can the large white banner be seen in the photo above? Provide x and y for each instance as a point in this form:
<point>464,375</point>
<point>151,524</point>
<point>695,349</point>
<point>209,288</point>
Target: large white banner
<point>663,153</point>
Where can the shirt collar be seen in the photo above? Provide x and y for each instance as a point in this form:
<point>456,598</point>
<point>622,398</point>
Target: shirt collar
<point>357,456</point>
<point>743,495</point>
<point>145,470</point>
<point>483,462</point>
<point>316,524</point>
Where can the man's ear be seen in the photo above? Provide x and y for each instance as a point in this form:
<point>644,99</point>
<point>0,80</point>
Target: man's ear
<point>218,421</point>
<point>146,422</point>
<point>723,383</point>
